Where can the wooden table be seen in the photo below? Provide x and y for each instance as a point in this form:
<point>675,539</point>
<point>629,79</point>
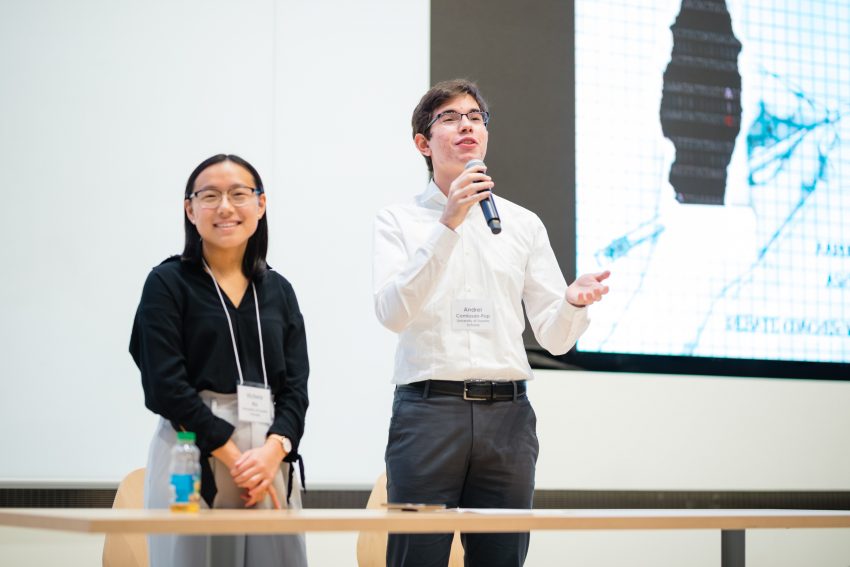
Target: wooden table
<point>732,523</point>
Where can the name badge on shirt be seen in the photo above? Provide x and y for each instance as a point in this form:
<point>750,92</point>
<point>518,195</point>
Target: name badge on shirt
<point>472,315</point>
<point>255,403</point>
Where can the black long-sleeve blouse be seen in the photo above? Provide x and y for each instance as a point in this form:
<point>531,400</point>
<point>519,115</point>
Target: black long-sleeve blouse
<point>181,343</point>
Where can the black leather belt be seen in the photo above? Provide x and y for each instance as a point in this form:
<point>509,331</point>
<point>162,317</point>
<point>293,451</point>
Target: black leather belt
<point>486,390</point>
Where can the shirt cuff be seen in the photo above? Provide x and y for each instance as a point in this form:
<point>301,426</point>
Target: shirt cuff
<point>219,433</point>
<point>575,315</point>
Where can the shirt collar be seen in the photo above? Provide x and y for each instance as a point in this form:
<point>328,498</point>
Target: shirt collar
<point>432,196</point>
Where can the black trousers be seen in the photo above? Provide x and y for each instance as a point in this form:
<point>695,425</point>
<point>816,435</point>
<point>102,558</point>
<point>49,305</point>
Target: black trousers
<point>469,454</point>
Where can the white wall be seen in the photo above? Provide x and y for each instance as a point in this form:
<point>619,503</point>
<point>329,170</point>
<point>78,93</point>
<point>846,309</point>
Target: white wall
<point>666,432</point>
<point>106,108</point>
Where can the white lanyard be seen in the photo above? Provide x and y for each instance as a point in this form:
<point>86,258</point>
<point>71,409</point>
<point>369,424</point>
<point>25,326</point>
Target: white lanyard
<point>230,326</point>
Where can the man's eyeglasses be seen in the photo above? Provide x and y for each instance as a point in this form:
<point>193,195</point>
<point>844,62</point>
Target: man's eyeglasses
<point>212,198</point>
<point>451,118</point>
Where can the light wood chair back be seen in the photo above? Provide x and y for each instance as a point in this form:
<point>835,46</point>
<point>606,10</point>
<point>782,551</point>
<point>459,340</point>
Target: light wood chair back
<point>372,546</point>
<point>127,550</point>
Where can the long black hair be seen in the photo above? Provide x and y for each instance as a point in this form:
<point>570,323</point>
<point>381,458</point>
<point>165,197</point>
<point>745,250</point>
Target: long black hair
<point>254,260</point>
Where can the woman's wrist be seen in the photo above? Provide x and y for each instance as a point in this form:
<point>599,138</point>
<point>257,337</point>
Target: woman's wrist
<point>284,445</point>
<point>228,453</point>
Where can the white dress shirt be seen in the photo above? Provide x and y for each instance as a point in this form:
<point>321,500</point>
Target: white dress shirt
<point>422,270</point>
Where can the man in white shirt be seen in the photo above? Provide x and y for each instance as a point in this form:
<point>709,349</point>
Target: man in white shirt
<point>463,432</point>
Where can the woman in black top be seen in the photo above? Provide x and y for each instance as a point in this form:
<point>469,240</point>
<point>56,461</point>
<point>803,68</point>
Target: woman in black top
<point>210,320</point>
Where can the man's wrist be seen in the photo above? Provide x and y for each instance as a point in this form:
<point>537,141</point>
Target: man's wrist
<point>448,223</point>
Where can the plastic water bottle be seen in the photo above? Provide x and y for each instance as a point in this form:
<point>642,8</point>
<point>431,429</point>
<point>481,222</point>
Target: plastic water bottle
<point>185,474</point>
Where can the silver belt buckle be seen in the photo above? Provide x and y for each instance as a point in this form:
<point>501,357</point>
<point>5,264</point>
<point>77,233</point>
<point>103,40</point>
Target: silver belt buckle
<point>468,383</point>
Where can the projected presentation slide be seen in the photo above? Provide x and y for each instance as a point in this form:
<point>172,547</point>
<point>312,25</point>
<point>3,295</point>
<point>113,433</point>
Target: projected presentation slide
<point>713,176</point>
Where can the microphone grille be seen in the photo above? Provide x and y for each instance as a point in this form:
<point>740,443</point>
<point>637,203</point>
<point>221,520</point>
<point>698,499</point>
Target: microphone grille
<point>474,163</point>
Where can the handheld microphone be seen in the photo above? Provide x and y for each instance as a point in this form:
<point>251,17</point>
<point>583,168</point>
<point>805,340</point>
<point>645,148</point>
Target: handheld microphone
<point>488,205</point>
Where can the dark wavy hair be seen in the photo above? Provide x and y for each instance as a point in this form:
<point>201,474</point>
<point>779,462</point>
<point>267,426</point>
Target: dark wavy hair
<point>436,96</point>
<point>254,261</point>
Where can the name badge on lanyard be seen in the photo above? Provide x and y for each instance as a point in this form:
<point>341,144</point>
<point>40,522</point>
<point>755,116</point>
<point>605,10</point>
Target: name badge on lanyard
<point>254,400</point>
<point>255,403</point>
<point>472,315</point>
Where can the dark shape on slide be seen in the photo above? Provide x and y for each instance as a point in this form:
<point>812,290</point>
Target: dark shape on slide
<point>701,100</point>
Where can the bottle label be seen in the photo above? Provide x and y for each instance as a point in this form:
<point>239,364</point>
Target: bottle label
<point>184,488</point>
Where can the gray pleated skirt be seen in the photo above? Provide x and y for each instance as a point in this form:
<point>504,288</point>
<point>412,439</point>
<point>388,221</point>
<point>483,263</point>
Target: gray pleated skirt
<point>286,550</point>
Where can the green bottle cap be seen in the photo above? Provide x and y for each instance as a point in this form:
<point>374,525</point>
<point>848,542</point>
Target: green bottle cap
<point>185,437</point>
